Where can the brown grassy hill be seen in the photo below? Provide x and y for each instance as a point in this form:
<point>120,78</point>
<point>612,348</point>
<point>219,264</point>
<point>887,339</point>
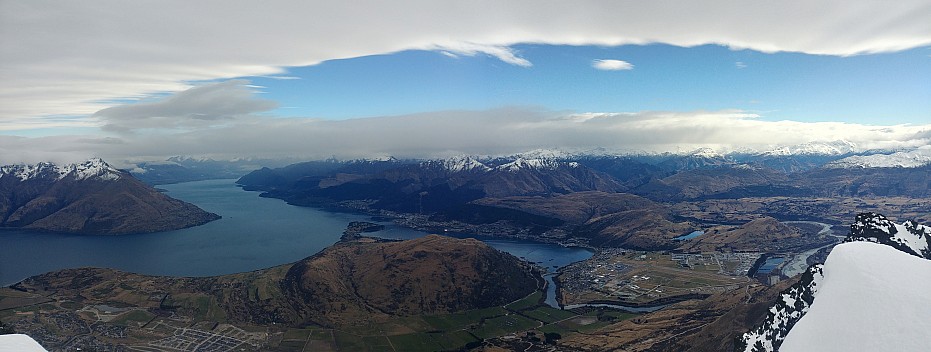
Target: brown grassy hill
<point>350,283</point>
<point>577,207</point>
<point>366,280</point>
<point>762,234</point>
<point>607,219</point>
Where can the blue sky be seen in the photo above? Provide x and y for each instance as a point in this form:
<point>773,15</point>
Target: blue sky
<point>421,78</point>
<point>889,88</point>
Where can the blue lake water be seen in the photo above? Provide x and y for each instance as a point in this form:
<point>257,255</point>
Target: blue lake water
<point>254,233</point>
<point>690,235</point>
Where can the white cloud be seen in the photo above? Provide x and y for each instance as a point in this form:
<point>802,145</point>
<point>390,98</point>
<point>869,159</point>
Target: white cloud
<point>198,107</point>
<point>612,65</point>
<point>200,128</point>
<point>740,64</point>
<point>502,53</point>
<point>281,78</point>
<point>69,58</point>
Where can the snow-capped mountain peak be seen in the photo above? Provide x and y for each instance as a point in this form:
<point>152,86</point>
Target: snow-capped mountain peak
<point>707,153</point>
<point>839,147</point>
<point>552,154</point>
<point>459,164</point>
<point>539,164</point>
<point>94,168</point>
<point>902,159</point>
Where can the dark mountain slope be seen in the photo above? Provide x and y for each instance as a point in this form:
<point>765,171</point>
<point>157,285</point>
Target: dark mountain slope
<point>89,198</point>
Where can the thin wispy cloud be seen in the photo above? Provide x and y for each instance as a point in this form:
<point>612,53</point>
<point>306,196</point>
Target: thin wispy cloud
<point>72,64</point>
<point>612,65</point>
<point>502,53</point>
<point>281,78</point>
<point>740,64</point>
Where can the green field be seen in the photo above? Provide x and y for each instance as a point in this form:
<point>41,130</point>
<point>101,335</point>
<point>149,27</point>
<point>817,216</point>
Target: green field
<point>530,301</point>
<point>548,314</point>
<point>504,325</point>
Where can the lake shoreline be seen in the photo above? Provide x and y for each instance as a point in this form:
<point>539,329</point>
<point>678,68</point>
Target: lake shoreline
<point>255,233</point>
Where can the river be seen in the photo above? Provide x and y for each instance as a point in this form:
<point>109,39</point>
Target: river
<point>254,233</point>
<point>798,263</point>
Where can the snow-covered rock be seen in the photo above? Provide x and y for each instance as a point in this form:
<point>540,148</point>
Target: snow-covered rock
<point>909,237</point>
<point>539,164</point>
<point>792,305</point>
<point>706,153</point>
<point>873,298</point>
<point>459,164</point>
<point>869,295</point>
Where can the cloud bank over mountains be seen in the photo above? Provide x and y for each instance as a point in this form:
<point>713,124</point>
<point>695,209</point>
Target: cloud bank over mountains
<point>77,58</point>
<point>224,120</point>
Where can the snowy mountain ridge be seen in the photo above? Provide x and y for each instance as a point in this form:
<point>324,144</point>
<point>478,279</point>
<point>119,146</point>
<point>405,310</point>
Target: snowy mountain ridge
<point>539,164</point>
<point>903,159</point>
<point>909,237</point>
<point>781,317</point>
<point>458,164</point>
<point>872,298</point>
<point>839,147</point>
<point>94,168</point>
<point>872,266</point>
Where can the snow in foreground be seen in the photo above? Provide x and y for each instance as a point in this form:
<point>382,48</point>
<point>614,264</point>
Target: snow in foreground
<point>19,343</point>
<point>873,298</point>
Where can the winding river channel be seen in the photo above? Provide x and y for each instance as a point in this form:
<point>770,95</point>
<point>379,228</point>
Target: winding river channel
<point>799,262</point>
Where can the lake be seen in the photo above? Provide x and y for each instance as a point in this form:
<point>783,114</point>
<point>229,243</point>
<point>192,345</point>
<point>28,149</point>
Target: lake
<point>689,235</point>
<point>254,233</point>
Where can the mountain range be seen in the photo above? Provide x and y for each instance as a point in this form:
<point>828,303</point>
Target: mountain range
<point>515,195</point>
<point>91,197</point>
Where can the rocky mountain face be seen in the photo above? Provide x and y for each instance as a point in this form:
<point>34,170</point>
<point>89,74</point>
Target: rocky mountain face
<point>850,268</point>
<point>442,184</point>
<point>88,198</point>
<point>482,192</point>
<point>431,186</point>
<point>781,317</point>
<point>909,237</point>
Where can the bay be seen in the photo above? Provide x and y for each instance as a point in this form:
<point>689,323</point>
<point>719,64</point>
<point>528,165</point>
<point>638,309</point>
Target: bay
<point>254,233</point>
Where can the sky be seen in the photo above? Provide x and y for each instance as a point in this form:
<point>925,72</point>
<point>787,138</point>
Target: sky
<point>151,79</point>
